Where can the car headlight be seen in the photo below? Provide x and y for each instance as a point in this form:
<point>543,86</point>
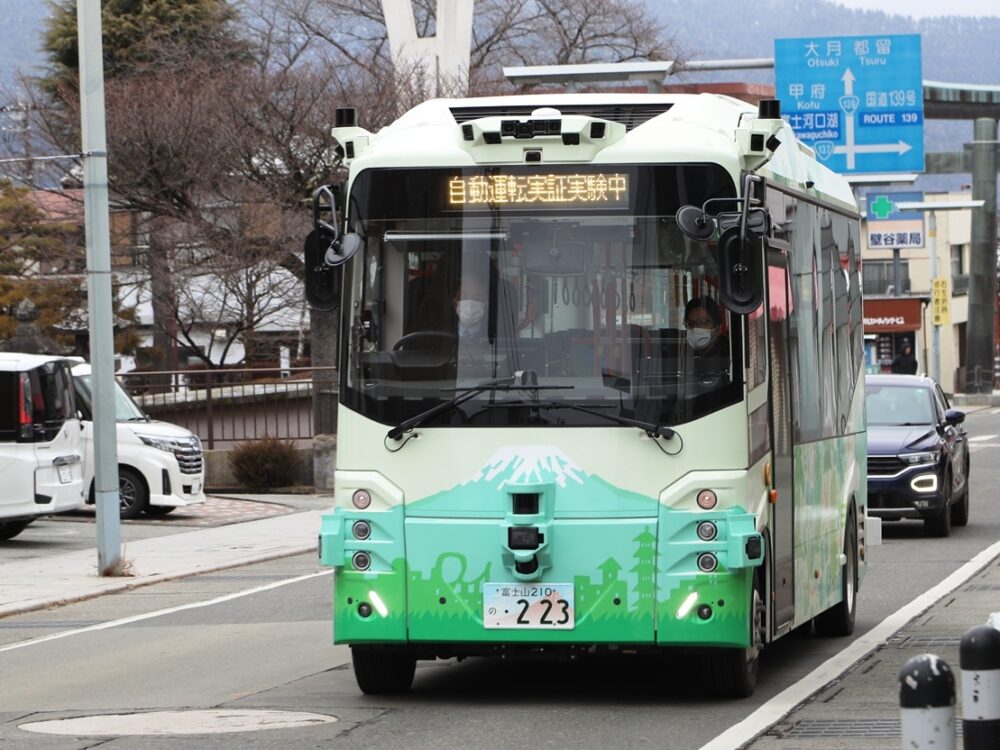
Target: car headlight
<point>170,445</point>
<point>923,457</point>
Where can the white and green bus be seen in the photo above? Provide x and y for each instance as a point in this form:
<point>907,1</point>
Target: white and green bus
<point>600,383</point>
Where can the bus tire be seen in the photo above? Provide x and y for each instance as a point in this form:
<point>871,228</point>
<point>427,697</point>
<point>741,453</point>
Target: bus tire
<point>381,672</point>
<point>10,529</point>
<point>838,621</point>
<point>733,671</point>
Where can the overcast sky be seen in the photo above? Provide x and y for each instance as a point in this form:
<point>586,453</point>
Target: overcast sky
<point>924,8</point>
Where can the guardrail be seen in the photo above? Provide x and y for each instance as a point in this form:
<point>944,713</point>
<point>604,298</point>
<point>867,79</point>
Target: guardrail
<point>227,406</point>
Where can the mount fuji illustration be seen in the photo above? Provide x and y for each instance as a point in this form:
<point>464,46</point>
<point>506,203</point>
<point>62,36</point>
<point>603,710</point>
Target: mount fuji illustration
<point>536,468</point>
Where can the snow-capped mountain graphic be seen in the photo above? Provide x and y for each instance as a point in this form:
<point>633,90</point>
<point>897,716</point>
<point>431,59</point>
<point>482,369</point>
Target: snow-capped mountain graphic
<point>545,469</point>
<point>530,464</point>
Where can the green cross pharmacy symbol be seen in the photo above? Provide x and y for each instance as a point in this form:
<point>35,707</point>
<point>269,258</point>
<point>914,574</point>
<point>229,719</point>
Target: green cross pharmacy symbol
<point>882,207</point>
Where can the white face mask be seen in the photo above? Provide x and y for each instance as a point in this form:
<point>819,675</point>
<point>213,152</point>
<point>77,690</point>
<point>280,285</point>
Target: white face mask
<point>699,338</point>
<point>470,311</point>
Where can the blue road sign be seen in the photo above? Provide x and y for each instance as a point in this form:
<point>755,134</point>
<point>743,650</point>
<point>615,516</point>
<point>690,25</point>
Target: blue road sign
<point>857,100</point>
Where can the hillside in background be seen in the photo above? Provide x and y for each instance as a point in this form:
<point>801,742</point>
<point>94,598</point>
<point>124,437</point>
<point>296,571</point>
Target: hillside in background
<point>20,38</point>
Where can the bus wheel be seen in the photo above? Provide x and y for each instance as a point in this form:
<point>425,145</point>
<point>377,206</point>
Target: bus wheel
<point>733,671</point>
<point>839,619</point>
<point>380,672</point>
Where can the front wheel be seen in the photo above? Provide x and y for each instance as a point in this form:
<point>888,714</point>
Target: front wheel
<point>132,493</point>
<point>940,525</point>
<point>10,529</point>
<point>839,619</point>
<point>732,672</point>
<point>381,672</point>
<point>960,510</point>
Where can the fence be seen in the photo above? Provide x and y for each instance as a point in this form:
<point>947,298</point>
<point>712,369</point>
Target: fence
<point>227,406</point>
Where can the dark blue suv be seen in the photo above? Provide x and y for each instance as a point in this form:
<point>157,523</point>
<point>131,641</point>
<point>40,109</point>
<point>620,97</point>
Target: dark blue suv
<point>918,453</point>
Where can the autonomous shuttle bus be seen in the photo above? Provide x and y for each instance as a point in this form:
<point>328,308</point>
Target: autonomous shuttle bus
<point>600,383</point>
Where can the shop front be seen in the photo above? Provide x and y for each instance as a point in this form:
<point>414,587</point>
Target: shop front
<point>892,323</point>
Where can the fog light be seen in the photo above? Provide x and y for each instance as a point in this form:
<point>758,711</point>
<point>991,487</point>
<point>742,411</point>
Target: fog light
<point>361,529</point>
<point>365,609</point>
<point>361,561</point>
<point>707,500</point>
<point>707,531</point>
<point>707,562</point>
<point>704,612</point>
<point>924,483</point>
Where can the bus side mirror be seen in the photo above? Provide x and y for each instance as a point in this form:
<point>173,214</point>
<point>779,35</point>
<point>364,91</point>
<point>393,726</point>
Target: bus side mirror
<point>741,278</point>
<point>322,279</point>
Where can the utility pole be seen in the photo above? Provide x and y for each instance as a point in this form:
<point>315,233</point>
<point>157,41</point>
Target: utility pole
<point>983,264</point>
<point>99,293</point>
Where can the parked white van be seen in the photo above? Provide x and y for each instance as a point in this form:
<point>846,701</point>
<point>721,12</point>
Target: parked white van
<point>160,465</point>
<point>41,471</point>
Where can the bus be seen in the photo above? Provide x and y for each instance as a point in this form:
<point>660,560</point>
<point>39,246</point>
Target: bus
<point>600,384</point>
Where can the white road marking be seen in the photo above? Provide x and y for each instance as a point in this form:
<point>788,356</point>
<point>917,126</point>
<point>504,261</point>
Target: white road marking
<point>995,411</point>
<point>162,612</point>
<point>981,438</point>
<point>785,702</point>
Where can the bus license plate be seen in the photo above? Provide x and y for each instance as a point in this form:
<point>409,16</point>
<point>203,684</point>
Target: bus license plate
<point>65,474</point>
<point>528,606</point>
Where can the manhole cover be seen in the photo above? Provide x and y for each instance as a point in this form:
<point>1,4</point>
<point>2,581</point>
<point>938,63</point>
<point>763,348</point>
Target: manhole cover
<point>218,721</point>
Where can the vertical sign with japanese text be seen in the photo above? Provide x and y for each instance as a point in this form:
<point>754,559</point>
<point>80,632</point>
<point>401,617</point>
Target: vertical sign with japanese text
<point>941,300</point>
<point>856,100</point>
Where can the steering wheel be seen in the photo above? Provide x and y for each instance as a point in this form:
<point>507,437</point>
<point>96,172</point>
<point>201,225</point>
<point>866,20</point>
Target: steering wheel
<point>427,340</point>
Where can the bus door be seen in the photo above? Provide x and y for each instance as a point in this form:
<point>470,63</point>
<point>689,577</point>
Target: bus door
<point>783,508</point>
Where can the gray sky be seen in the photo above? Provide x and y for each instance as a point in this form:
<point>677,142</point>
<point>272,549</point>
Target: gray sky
<point>925,8</point>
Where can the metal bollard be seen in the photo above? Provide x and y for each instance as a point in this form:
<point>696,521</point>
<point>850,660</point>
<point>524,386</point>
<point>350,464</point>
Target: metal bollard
<point>979,654</point>
<point>927,704</point>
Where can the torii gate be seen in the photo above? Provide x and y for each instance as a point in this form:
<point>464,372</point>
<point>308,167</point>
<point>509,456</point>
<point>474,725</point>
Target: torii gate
<point>444,56</point>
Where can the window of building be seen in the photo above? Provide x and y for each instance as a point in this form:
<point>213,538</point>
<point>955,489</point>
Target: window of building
<point>877,277</point>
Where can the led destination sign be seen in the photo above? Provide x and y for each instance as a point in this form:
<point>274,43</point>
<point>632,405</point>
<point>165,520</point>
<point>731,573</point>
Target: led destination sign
<point>539,190</point>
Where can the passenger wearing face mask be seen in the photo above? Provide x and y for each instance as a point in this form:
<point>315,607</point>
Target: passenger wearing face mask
<point>708,348</point>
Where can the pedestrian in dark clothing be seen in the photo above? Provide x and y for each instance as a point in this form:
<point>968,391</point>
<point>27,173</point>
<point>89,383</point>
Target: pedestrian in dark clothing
<point>905,363</point>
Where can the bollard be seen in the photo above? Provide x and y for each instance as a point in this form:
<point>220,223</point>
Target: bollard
<point>979,654</point>
<point>927,704</point>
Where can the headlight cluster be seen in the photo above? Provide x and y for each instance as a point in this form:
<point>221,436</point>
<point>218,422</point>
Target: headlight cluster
<point>170,445</point>
<point>922,457</point>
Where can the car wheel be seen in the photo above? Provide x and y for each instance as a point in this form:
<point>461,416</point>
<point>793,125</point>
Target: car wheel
<point>381,672</point>
<point>159,510</point>
<point>10,529</point>
<point>838,621</point>
<point>132,493</point>
<point>940,525</point>
<point>960,510</point>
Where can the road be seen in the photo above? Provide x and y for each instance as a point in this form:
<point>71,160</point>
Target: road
<point>270,649</point>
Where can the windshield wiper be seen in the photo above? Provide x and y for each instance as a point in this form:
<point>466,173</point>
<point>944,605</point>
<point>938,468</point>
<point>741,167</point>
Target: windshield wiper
<point>653,430</point>
<point>525,380</point>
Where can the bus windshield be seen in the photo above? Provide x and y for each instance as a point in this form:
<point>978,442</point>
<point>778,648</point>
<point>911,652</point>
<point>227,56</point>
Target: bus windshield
<point>572,279</point>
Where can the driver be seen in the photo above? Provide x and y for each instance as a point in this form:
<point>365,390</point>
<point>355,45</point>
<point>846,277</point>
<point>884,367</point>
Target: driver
<point>707,347</point>
<point>470,301</point>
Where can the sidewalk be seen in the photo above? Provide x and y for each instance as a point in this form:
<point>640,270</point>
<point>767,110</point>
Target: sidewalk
<point>55,579</point>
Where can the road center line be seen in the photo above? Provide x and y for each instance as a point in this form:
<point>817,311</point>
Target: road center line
<point>162,612</point>
<point>770,713</point>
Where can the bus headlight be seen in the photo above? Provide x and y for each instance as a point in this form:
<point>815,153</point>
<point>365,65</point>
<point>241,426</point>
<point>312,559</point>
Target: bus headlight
<point>361,499</point>
<point>361,529</point>
<point>707,531</point>
<point>707,499</point>
<point>361,561</point>
<point>707,562</point>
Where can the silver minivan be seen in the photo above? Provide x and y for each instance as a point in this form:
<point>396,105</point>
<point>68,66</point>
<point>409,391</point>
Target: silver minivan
<point>41,469</point>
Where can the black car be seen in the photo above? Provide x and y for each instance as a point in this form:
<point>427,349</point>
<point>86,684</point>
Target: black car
<point>918,453</point>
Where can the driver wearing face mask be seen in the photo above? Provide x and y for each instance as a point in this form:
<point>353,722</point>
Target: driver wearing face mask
<point>469,301</point>
<point>707,347</point>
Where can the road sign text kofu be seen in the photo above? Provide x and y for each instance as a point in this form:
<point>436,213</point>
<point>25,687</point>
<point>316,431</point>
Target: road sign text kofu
<point>857,100</point>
